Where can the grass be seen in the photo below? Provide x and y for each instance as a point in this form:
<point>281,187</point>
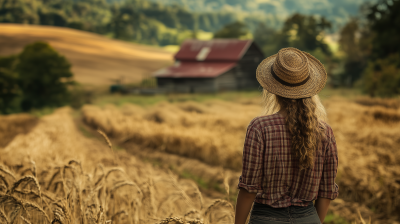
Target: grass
<point>335,219</point>
<point>42,112</point>
<point>200,182</point>
<point>142,100</point>
<point>84,131</point>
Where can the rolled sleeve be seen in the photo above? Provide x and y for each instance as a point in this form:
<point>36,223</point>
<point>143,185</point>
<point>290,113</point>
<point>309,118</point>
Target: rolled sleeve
<point>251,177</point>
<point>328,188</point>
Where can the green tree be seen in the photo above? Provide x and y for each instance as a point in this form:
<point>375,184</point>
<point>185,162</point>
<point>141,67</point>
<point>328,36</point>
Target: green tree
<point>305,33</point>
<point>19,11</point>
<point>384,22</point>
<point>382,77</point>
<point>44,76</point>
<point>266,38</point>
<point>350,43</point>
<point>9,89</point>
<point>233,30</point>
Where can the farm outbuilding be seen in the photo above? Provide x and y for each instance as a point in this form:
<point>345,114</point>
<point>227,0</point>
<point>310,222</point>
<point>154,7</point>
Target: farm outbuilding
<point>212,66</point>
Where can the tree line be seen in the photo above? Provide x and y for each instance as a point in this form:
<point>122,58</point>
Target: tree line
<point>134,20</point>
<point>368,56</point>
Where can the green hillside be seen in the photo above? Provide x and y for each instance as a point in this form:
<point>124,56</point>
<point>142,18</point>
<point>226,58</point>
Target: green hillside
<point>140,21</point>
<point>337,11</point>
<point>169,22</point>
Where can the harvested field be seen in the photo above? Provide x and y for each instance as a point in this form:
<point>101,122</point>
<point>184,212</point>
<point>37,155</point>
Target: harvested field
<point>181,160</point>
<point>213,132</point>
<point>96,60</point>
<point>54,173</point>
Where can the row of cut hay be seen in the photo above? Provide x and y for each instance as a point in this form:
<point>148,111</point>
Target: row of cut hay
<point>54,174</point>
<point>369,155</point>
<point>212,133</point>
<point>386,103</point>
<point>368,139</point>
<point>11,125</point>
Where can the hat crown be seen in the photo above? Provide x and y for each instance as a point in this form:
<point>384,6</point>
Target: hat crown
<point>291,65</point>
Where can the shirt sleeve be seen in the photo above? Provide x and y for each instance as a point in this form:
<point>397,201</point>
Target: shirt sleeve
<point>252,161</point>
<point>328,188</point>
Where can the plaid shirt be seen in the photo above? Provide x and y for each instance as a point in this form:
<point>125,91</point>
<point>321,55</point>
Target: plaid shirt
<point>272,171</point>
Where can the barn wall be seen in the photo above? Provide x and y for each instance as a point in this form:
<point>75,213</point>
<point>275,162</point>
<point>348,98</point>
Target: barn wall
<point>187,85</point>
<point>227,81</point>
<point>247,66</point>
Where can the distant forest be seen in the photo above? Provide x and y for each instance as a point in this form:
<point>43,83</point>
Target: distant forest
<point>166,22</point>
<point>135,20</point>
<point>336,11</point>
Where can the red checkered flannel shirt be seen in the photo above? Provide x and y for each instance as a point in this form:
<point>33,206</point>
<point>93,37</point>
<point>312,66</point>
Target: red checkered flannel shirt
<point>272,171</point>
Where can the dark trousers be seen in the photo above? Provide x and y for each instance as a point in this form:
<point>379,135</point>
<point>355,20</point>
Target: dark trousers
<point>261,214</point>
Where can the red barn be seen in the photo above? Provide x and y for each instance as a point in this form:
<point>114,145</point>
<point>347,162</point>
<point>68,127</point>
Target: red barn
<point>211,66</point>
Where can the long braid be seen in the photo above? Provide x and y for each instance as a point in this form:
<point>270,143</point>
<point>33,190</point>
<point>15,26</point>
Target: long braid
<point>304,126</point>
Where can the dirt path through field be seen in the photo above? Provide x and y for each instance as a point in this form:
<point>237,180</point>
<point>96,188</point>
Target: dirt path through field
<point>157,193</point>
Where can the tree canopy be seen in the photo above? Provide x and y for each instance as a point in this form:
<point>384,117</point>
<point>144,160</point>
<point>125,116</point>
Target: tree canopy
<point>44,76</point>
<point>36,78</point>
<point>233,30</point>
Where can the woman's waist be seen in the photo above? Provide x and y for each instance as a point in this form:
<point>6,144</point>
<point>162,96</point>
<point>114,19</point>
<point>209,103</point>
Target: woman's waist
<point>292,210</point>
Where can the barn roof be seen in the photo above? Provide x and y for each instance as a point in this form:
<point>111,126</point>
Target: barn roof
<point>205,59</point>
<point>192,69</point>
<point>213,50</point>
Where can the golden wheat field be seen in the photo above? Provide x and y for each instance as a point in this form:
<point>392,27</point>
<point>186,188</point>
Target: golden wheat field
<point>179,162</point>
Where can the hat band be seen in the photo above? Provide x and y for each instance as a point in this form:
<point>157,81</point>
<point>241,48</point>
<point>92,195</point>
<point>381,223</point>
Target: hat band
<point>286,83</point>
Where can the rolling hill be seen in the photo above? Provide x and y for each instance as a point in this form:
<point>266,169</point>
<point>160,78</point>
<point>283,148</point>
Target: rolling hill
<point>96,60</point>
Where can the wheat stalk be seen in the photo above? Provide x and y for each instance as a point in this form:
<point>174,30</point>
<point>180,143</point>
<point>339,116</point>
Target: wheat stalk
<point>25,220</point>
<point>105,138</point>
<point>3,179</point>
<point>3,217</point>
<point>58,172</point>
<point>36,208</point>
<point>116,159</point>
<point>4,170</point>
<point>76,162</point>
<point>26,180</point>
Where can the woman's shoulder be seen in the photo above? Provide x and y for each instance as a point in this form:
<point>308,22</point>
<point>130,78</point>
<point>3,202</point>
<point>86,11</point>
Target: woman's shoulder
<point>329,136</point>
<point>267,120</point>
<point>327,127</point>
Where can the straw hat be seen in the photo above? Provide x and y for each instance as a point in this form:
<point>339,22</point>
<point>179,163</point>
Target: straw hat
<point>292,74</point>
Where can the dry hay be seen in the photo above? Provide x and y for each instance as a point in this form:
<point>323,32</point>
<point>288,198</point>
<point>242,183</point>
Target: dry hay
<point>367,136</point>
<point>387,103</point>
<point>212,132</point>
<point>61,189</point>
<point>12,125</point>
<point>55,174</point>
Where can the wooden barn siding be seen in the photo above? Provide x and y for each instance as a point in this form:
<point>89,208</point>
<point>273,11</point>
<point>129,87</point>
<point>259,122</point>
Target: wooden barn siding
<point>248,66</point>
<point>227,81</point>
<point>243,75</point>
<point>187,85</point>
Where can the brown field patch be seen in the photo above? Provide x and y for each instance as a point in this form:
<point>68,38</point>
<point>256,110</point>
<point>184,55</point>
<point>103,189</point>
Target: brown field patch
<point>80,178</point>
<point>95,59</point>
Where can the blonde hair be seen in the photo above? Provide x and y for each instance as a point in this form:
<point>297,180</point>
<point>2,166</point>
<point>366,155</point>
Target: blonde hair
<point>305,120</point>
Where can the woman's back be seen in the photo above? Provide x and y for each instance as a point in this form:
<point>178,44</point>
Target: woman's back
<point>271,170</point>
<point>289,158</point>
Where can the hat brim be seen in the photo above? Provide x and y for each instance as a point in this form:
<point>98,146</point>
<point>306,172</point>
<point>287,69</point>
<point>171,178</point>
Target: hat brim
<point>313,86</point>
